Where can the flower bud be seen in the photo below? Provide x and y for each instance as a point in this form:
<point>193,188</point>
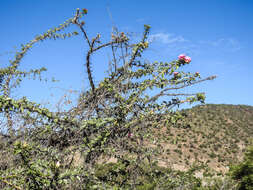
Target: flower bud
<point>25,144</point>
<point>57,165</point>
<point>175,74</point>
<point>85,11</point>
<point>130,135</point>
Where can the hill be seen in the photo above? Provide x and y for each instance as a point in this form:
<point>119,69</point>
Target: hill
<point>212,136</point>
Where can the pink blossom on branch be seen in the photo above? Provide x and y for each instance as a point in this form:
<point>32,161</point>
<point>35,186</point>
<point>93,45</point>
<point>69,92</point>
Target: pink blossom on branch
<point>187,59</point>
<point>184,58</point>
<point>175,73</point>
<point>181,57</point>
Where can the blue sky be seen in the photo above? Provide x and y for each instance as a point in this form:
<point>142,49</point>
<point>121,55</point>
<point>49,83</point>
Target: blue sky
<point>216,34</point>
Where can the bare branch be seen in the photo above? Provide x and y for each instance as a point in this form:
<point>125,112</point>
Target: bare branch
<point>190,84</point>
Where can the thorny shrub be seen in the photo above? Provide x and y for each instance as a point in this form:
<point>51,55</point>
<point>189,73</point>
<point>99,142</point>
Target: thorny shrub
<point>113,119</point>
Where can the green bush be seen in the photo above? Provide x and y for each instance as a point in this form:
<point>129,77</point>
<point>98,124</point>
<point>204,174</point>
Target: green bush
<point>243,172</point>
<point>149,177</point>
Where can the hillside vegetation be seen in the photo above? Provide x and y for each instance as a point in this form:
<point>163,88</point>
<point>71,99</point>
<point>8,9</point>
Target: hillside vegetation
<point>199,147</point>
<point>212,135</point>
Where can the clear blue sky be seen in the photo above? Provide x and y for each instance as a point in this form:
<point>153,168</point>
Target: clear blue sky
<point>217,34</point>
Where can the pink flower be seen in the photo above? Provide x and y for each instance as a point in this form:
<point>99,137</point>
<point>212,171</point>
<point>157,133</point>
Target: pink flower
<point>187,59</point>
<point>175,73</point>
<point>130,135</point>
<point>181,57</point>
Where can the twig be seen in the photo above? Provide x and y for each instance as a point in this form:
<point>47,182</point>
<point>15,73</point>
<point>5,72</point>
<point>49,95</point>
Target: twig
<point>8,183</point>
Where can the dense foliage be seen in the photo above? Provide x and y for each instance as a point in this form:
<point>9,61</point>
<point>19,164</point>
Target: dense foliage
<point>43,149</point>
<point>243,172</point>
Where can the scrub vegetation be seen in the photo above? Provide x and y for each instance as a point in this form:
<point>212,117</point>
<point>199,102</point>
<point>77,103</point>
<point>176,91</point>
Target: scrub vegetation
<point>125,131</point>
